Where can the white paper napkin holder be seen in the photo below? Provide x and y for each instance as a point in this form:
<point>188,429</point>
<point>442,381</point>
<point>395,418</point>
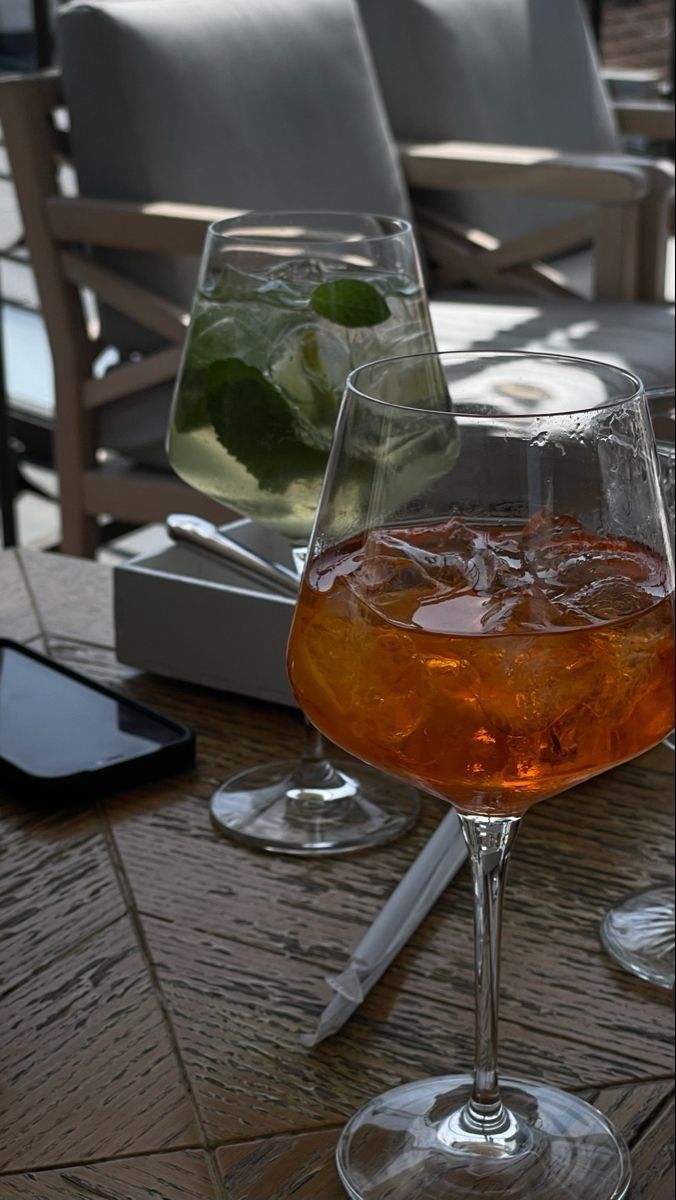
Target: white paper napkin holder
<point>180,612</point>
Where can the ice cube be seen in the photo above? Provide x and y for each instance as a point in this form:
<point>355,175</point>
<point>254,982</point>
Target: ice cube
<point>382,688</point>
<point>447,538</point>
<point>451,737</point>
<point>567,560</point>
<point>457,556</point>
<point>394,576</point>
<point>296,277</point>
<point>607,599</point>
<point>602,562</point>
<point>242,330</point>
<point>226,282</point>
<point>389,580</point>
<point>311,365</point>
<point>521,609</point>
<point>548,544</point>
<point>529,683</point>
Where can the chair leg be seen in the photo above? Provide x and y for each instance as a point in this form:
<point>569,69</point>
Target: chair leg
<point>7,468</point>
<point>653,233</point>
<point>80,534</point>
<point>7,459</point>
<point>74,453</point>
<point>616,253</point>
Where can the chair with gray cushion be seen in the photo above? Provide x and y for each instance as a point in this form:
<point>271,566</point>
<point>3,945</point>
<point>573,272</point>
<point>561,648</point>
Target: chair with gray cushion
<point>501,80</point>
<point>219,104</point>
<point>178,114</point>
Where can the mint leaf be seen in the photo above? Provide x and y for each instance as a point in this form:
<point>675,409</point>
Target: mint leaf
<point>349,302</point>
<point>255,423</point>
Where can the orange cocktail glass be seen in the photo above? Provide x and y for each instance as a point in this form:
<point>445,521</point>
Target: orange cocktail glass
<point>494,625</point>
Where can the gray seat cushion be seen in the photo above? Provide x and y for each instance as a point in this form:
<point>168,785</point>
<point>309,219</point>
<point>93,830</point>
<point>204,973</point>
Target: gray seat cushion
<point>240,103</point>
<point>639,337</point>
<point>515,72</point>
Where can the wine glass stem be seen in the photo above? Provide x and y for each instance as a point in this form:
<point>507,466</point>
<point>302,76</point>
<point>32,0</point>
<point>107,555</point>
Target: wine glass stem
<point>489,842</point>
<point>314,771</point>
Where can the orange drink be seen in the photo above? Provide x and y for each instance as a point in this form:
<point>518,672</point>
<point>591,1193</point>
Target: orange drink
<point>493,666</point>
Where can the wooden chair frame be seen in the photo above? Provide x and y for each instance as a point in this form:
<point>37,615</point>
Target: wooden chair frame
<point>56,228</point>
<point>632,201</point>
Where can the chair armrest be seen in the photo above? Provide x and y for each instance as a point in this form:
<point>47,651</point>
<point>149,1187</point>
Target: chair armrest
<point>527,170</point>
<point>631,76</point>
<point>649,119</point>
<point>157,228</point>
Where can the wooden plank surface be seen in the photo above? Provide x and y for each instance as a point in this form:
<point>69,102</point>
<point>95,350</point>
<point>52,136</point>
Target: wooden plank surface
<point>155,977</point>
<point>179,1176</point>
<point>57,886</point>
<point>88,1069</point>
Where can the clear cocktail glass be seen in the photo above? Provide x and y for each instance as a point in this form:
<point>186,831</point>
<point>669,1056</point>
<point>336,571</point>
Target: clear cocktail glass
<point>640,931</point>
<point>494,627</point>
<point>287,304</point>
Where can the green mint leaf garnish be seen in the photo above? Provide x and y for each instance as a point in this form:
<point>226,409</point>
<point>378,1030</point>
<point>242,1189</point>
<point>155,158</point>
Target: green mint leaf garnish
<point>255,423</point>
<point>349,302</point>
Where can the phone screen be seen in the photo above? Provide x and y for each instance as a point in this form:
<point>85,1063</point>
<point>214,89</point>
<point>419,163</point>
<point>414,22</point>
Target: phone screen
<point>52,725</point>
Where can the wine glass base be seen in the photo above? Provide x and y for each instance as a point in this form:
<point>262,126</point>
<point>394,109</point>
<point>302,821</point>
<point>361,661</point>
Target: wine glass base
<point>265,808</point>
<point>639,935</point>
<point>410,1144</point>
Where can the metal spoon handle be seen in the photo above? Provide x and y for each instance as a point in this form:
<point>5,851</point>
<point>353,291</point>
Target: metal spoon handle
<point>182,527</point>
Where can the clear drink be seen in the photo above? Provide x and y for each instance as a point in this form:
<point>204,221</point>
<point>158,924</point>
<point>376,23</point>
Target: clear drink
<point>266,359</point>
<point>493,666</point>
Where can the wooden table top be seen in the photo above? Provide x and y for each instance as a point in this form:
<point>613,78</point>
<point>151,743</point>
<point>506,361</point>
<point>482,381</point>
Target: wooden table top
<point>155,977</point>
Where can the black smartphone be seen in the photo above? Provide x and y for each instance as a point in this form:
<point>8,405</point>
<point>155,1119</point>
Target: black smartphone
<point>63,737</point>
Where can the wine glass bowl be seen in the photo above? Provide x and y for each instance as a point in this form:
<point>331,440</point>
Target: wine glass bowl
<point>286,305</point>
<point>479,594</point>
<point>494,625</point>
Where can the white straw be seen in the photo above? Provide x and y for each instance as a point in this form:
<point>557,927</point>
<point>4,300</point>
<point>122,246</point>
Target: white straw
<point>434,868</point>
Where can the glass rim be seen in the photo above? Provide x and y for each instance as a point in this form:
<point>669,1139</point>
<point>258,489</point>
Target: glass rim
<point>233,229</point>
<point>638,390</point>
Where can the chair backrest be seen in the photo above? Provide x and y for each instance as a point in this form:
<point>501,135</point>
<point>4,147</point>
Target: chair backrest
<point>515,72</point>
<point>237,103</point>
